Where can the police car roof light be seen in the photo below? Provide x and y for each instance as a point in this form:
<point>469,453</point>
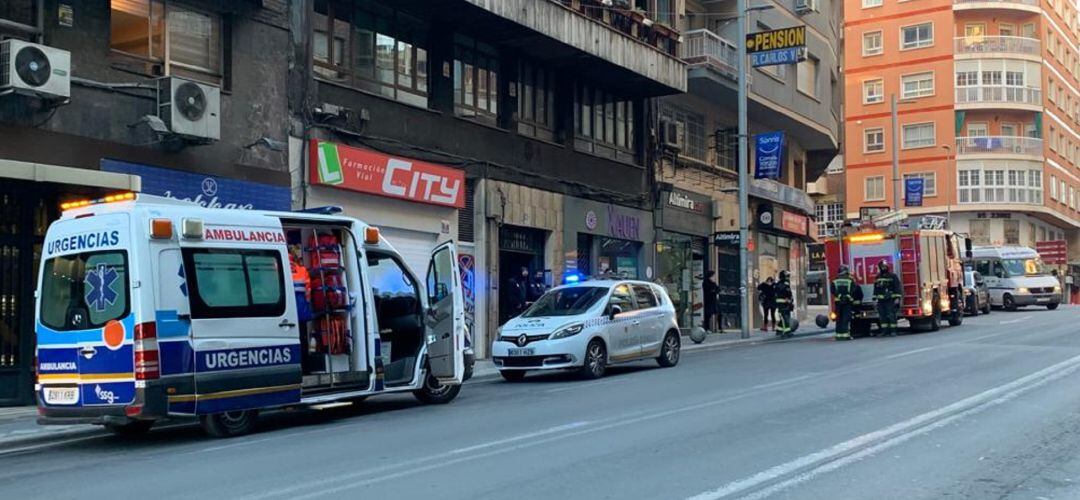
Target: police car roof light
<point>327,210</point>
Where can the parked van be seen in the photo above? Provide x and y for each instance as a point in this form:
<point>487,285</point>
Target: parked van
<point>1016,277</point>
<point>150,308</point>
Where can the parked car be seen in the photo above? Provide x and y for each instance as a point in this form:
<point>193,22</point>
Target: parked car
<point>588,326</point>
<point>976,294</point>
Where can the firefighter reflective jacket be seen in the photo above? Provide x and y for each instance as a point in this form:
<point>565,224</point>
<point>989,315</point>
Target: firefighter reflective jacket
<point>887,286</point>
<point>845,290</point>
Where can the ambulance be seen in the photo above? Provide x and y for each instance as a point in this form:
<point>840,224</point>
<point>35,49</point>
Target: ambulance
<point>150,308</point>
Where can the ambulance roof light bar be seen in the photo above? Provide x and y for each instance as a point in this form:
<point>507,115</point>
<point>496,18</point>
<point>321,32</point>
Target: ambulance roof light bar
<point>112,198</point>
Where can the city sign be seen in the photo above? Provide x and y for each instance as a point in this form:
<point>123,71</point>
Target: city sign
<point>780,46</point>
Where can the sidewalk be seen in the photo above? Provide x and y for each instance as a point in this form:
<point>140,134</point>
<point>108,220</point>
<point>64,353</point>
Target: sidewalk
<point>19,428</point>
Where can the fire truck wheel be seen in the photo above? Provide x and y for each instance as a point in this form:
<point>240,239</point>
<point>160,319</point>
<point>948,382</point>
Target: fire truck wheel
<point>230,423</point>
<point>934,322</point>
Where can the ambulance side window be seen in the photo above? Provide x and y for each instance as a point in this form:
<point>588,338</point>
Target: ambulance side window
<point>234,283</point>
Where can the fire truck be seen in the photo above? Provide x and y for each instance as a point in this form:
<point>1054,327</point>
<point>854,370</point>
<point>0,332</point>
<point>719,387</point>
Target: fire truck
<point>925,256</point>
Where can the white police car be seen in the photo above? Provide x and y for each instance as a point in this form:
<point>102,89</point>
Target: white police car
<point>587,326</point>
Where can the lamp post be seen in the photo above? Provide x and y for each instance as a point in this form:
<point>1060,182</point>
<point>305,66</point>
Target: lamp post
<point>896,150</point>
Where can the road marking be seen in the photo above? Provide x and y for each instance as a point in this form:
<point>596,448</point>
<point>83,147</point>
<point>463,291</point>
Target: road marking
<point>841,454</point>
<point>908,353</point>
<point>1012,321</point>
<point>585,385</point>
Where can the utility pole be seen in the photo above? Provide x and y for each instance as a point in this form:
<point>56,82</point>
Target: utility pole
<point>744,204</point>
<point>895,157</point>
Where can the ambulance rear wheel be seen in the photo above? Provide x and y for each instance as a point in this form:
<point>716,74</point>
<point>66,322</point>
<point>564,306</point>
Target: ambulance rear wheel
<point>230,423</point>
<point>436,393</point>
<point>131,429</point>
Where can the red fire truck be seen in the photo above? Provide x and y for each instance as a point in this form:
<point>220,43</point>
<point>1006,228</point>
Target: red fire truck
<point>928,262</point>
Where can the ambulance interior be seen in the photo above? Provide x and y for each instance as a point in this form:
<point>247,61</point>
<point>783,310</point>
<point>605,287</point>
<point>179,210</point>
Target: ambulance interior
<point>331,317</point>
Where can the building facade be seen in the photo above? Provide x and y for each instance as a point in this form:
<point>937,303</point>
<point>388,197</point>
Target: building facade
<point>988,106</point>
<point>801,100</point>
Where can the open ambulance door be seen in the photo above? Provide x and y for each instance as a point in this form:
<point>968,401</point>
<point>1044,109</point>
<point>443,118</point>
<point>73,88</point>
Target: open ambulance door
<point>445,316</point>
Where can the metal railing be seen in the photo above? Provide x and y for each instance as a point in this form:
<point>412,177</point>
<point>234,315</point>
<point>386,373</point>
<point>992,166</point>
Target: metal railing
<point>703,47</point>
<point>999,144</point>
<point>999,94</point>
<point>997,44</point>
<point>1033,3</point>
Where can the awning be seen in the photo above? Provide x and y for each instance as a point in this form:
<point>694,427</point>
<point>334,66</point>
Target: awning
<point>39,172</point>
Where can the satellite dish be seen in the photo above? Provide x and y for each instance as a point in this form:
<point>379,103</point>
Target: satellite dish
<point>33,66</point>
<point>190,101</point>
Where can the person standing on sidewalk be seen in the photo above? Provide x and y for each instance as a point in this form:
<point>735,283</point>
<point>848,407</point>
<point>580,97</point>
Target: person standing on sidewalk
<point>785,303</point>
<point>711,300</point>
<point>845,293</point>
<point>887,294</point>
<point>766,294</point>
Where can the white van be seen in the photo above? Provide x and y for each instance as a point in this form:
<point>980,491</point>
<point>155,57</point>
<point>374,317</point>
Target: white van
<point>1016,277</point>
<point>150,308</point>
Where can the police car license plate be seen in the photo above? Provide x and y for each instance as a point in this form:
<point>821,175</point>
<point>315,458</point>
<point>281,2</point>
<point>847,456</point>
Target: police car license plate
<point>61,395</point>
<point>522,351</point>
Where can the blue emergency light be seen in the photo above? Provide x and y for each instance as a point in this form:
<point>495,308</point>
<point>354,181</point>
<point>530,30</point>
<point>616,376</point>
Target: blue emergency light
<point>571,277</point>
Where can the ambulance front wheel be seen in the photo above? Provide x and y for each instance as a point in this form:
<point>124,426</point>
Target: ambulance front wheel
<point>434,392</point>
<point>230,423</point>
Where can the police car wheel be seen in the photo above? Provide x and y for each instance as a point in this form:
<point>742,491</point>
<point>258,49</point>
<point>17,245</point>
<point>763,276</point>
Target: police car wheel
<point>434,392</point>
<point>595,360</point>
<point>131,429</point>
<point>231,423</point>
<point>669,350</point>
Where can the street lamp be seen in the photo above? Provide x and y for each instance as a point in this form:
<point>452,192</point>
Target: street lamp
<point>896,151</point>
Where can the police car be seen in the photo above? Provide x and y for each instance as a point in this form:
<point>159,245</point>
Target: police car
<point>587,326</point>
<point>150,308</point>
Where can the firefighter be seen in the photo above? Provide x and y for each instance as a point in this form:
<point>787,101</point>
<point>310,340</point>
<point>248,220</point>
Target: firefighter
<point>845,294</point>
<point>887,294</point>
<point>785,303</point>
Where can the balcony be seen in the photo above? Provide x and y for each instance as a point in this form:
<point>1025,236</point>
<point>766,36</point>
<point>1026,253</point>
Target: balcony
<point>999,96</point>
<point>997,46</point>
<point>999,145</point>
<point>1024,5</point>
<point>703,48</point>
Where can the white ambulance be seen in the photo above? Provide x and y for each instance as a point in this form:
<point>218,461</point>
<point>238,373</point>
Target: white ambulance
<point>150,308</point>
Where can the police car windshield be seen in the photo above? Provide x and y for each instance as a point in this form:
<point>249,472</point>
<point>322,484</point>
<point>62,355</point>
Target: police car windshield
<point>84,290</point>
<point>566,301</point>
<point>1023,267</point>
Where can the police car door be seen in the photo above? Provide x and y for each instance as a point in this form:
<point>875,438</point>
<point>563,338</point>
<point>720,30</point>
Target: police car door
<point>445,317</point>
<point>243,316</point>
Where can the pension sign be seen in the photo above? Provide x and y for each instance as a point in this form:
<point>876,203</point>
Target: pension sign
<point>782,46</point>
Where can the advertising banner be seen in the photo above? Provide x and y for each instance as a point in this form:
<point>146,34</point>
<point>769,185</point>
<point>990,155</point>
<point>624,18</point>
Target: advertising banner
<point>367,171</point>
<point>208,191</point>
<point>913,192</point>
<point>768,155</point>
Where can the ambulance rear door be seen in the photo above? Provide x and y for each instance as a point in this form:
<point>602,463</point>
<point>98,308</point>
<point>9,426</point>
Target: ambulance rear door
<point>445,317</point>
<point>244,329</point>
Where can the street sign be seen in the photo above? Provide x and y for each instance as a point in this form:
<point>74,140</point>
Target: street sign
<point>768,155</point>
<point>913,191</point>
<point>1053,252</point>
<point>780,46</point>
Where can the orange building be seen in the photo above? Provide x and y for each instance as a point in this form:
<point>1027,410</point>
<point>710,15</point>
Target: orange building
<point>988,106</point>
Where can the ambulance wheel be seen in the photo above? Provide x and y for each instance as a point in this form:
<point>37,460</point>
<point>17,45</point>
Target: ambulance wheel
<point>131,429</point>
<point>230,423</point>
<point>436,393</point>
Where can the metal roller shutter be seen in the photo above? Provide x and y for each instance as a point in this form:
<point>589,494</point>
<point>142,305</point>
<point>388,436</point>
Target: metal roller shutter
<point>414,246</point>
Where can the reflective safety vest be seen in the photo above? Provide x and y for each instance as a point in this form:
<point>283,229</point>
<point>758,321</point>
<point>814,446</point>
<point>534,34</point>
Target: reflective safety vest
<point>842,289</point>
<point>887,286</point>
<point>301,279</point>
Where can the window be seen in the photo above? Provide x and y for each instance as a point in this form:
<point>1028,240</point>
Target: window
<point>1014,78</point>
<point>873,91</point>
<point>84,290</point>
<point>977,129</point>
<point>994,186</point>
<point>646,299</point>
<point>807,72</point>
<point>967,78</point>
<point>917,85</point>
<point>382,53</point>
<point>476,80</point>
<point>968,183</point>
<point>918,135</point>
<point>974,33</point>
<point>874,188</point>
<point>691,127</point>
<point>917,36</point>
<point>1012,232</point>
<point>536,101</point>
<point>603,120</point>
<point>929,182</point>
<point>233,283</point>
<point>874,140</point>
<point>621,297</point>
<point>991,78</point>
<point>142,28</point>
<point>1028,30</point>
<point>867,4</point>
<point>829,217</point>
<point>871,43</point>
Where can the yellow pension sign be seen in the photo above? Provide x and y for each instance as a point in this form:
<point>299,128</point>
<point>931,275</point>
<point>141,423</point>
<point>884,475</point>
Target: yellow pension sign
<point>784,38</point>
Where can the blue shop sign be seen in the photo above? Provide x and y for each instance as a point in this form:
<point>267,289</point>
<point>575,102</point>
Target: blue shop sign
<point>769,155</point>
<point>206,190</point>
<point>913,191</point>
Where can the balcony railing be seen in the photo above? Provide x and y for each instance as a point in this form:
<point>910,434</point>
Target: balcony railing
<point>999,144</point>
<point>619,15</point>
<point>703,47</point>
<point>998,44</point>
<point>999,94</point>
<point>1032,3</point>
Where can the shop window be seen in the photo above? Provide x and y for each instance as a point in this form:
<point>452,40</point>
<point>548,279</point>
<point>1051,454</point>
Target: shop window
<point>476,80</point>
<point>604,122</point>
<point>536,101</point>
<point>231,283</point>
<point>185,41</point>
<point>375,49</point>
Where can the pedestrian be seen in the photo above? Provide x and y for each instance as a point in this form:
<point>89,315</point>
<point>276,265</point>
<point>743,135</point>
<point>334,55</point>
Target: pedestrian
<point>887,295</point>
<point>785,303</point>
<point>766,295</point>
<point>845,293</point>
<point>537,287</point>
<point>711,300</point>
<point>518,292</point>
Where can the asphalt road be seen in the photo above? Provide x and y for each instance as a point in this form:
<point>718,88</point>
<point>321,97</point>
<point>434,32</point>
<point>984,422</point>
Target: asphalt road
<point>987,410</point>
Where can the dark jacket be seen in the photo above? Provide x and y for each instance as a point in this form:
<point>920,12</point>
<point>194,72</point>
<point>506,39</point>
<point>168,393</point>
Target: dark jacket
<point>845,290</point>
<point>887,286</point>
<point>712,295</point>
<point>784,298</point>
<point>766,294</point>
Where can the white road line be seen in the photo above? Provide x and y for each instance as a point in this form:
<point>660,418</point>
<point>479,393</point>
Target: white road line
<point>909,353</point>
<point>881,439</point>
<point>585,385</point>
<point>1012,321</point>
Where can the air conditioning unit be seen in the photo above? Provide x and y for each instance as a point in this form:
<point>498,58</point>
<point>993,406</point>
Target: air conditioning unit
<point>191,110</point>
<point>671,135</point>
<point>804,6</point>
<point>33,69</point>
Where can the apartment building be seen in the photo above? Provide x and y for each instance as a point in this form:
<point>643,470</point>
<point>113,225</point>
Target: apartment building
<point>988,106</point>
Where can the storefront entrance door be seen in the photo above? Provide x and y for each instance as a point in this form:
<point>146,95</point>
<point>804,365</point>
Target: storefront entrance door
<point>519,248</point>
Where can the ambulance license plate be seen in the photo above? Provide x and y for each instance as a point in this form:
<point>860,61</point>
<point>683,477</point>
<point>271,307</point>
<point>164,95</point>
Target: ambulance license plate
<point>61,395</point>
<point>522,351</point>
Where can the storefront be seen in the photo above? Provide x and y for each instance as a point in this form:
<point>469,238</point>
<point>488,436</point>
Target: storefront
<point>414,203</point>
<point>781,230</point>
<point>205,190</point>
<point>607,240</point>
<point>727,277</point>
<point>684,222</point>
